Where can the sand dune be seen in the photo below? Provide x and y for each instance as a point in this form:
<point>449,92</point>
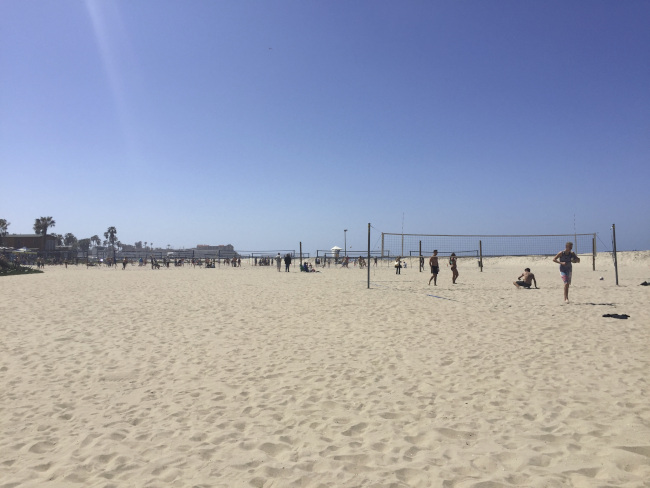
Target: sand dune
<point>252,378</point>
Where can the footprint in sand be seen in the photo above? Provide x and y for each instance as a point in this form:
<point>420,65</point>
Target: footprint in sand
<point>41,447</point>
<point>273,449</point>
<point>356,429</point>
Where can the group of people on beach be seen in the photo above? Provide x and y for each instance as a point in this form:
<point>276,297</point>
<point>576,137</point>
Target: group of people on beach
<point>565,259</point>
<point>435,267</point>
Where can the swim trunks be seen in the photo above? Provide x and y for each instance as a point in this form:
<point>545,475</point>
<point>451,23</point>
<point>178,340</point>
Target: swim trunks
<point>565,267</point>
<point>435,270</point>
<point>524,284</point>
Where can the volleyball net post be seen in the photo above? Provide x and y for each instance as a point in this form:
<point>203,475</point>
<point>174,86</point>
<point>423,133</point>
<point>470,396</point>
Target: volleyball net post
<point>368,262</point>
<point>593,253</point>
<point>614,250</point>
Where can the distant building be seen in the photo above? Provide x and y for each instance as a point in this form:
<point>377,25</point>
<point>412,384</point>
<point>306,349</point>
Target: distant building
<point>221,247</point>
<point>30,241</point>
<point>222,251</point>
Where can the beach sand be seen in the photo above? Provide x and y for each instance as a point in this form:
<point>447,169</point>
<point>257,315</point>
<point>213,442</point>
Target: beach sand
<point>248,377</point>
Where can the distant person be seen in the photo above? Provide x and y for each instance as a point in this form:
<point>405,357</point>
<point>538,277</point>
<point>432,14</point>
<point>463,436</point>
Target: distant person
<point>528,279</point>
<point>566,259</point>
<point>453,262</point>
<point>435,269</point>
<point>398,265</point>
<point>124,263</point>
<point>278,260</point>
<point>287,262</point>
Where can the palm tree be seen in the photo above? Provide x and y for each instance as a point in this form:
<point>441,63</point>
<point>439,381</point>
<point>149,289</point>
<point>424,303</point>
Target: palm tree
<point>41,225</point>
<point>96,240</point>
<point>58,239</point>
<point>111,235</point>
<point>69,239</point>
<point>145,245</point>
<point>84,244</point>
<point>3,228</point>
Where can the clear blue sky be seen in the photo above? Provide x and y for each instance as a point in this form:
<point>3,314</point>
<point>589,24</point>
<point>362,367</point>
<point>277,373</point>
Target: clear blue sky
<point>266,123</point>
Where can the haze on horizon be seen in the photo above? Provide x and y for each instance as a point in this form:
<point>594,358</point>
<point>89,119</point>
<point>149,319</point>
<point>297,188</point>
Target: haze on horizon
<point>263,124</point>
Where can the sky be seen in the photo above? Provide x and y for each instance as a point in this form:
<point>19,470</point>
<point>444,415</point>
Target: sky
<point>264,124</point>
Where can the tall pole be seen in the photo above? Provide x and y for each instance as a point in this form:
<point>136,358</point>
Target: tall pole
<point>480,253</point>
<point>593,253</point>
<point>300,253</point>
<point>368,262</point>
<point>421,262</point>
<point>345,242</point>
<point>615,258</point>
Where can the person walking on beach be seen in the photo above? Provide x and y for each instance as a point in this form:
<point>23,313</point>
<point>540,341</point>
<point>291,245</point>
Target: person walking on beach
<point>398,265</point>
<point>454,267</point>
<point>278,261</point>
<point>566,259</point>
<point>435,269</point>
<point>287,262</point>
<point>528,279</point>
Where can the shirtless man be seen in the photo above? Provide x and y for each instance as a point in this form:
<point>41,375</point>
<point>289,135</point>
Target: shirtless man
<point>433,263</point>
<point>528,277</point>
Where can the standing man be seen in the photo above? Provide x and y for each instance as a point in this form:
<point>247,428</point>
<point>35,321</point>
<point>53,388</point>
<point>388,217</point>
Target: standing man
<point>278,261</point>
<point>566,259</point>
<point>287,262</point>
<point>433,264</point>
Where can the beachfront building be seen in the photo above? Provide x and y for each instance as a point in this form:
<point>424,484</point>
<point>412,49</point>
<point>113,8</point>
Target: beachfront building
<point>30,241</point>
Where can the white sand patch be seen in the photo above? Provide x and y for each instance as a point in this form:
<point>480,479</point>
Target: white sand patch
<point>249,377</point>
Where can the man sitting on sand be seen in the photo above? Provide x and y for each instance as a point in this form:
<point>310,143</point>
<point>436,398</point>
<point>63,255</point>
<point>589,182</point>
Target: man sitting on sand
<point>528,278</point>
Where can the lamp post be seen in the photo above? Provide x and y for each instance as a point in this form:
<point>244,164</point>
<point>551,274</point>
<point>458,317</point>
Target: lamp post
<point>345,241</point>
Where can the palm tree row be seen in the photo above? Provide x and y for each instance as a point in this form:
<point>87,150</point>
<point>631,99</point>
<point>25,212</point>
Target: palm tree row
<point>43,224</point>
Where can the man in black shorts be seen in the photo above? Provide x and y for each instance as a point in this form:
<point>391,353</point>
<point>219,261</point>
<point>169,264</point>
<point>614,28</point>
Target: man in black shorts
<point>528,279</point>
<point>433,263</point>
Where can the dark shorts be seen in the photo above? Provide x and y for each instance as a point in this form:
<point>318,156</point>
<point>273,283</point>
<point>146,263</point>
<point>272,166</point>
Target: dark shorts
<point>435,270</point>
<point>524,284</point>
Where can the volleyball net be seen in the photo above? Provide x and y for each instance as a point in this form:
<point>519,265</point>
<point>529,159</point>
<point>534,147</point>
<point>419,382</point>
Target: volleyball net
<point>480,246</point>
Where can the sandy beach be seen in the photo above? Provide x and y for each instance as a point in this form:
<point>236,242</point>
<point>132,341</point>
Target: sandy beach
<point>246,377</point>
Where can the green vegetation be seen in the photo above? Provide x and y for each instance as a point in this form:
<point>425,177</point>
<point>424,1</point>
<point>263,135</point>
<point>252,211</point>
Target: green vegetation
<point>21,270</point>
